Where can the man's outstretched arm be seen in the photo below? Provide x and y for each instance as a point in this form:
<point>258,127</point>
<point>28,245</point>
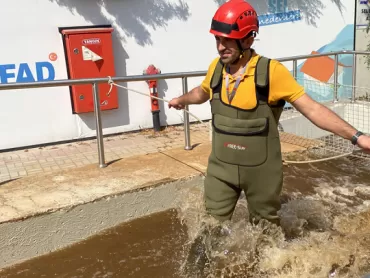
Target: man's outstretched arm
<point>326,119</point>
<point>195,96</point>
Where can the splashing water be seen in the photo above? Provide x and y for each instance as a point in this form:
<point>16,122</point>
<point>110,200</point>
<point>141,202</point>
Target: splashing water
<point>322,234</point>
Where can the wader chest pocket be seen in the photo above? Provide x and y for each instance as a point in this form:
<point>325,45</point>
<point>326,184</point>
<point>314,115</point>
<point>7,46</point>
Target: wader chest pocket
<point>240,141</point>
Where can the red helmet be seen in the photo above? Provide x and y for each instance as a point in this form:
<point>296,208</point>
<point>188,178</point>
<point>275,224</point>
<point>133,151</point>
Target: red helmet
<point>235,19</point>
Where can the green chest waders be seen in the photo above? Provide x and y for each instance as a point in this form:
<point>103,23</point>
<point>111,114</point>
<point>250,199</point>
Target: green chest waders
<point>246,153</point>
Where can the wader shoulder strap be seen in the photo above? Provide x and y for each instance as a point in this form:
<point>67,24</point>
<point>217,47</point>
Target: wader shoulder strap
<point>262,81</point>
<point>262,78</point>
<point>217,77</point>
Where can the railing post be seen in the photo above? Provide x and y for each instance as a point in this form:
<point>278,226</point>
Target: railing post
<point>186,116</point>
<point>99,129</point>
<point>354,73</point>
<point>295,69</point>
<point>336,65</point>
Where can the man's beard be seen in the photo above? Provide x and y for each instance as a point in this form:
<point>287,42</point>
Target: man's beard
<point>230,60</point>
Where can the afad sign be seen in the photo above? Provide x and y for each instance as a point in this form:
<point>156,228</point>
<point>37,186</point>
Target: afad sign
<point>27,72</point>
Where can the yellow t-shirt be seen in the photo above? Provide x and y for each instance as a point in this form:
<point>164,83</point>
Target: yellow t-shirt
<point>282,85</point>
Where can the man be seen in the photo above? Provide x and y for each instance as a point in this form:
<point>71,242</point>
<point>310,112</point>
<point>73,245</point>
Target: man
<point>247,93</point>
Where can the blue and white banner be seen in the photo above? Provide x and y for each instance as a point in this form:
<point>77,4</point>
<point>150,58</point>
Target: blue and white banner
<point>363,14</point>
<point>279,11</point>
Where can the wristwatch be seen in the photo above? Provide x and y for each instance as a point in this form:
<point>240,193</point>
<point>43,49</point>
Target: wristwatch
<point>355,137</point>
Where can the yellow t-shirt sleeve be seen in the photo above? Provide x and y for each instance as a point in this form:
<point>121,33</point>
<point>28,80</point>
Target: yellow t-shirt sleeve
<point>206,84</point>
<point>283,85</point>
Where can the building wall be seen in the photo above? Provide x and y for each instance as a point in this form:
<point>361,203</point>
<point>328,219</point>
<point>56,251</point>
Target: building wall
<point>171,34</point>
<point>362,43</point>
<point>363,71</point>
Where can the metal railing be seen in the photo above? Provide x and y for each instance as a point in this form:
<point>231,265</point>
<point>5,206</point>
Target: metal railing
<point>183,75</point>
<point>336,66</point>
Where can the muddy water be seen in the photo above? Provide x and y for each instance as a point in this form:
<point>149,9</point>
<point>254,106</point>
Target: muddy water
<point>325,233</point>
<point>146,247</point>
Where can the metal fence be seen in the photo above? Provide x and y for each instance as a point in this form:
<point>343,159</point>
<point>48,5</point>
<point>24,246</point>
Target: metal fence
<point>184,76</point>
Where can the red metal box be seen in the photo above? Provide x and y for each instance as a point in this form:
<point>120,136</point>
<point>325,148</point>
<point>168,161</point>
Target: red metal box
<point>89,54</point>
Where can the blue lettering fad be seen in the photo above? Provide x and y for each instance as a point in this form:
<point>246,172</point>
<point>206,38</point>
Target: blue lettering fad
<point>23,72</point>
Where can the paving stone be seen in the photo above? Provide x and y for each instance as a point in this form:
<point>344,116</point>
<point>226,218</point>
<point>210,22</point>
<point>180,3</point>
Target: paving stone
<point>71,155</point>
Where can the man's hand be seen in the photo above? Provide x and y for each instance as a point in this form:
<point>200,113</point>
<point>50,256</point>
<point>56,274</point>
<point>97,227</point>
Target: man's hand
<point>364,143</point>
<point>195,96</point>
<point>176,103</point>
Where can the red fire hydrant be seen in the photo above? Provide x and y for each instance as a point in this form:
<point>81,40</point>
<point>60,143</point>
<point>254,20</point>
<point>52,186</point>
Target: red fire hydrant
<point>154,93</point>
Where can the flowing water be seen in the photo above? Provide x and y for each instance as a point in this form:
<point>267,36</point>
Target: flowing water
<point>325,224</point>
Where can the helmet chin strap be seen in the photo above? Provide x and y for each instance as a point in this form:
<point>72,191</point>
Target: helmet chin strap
<point>242,52</point>
<point>241,49</point>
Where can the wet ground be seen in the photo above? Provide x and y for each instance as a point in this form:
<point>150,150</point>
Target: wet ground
<point>146,247</point>
<point>325,209</point>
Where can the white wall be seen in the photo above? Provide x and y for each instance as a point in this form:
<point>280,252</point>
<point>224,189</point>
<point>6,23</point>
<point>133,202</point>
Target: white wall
<point>171,34</point>
<point>363,72</point>
<point>321,22</point>
<point>362,42</point>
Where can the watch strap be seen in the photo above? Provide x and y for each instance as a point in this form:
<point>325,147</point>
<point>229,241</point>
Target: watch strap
<point>355,137</point>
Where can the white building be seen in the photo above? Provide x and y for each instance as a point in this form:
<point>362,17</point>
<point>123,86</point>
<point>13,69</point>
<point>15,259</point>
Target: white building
<point>170,34</point>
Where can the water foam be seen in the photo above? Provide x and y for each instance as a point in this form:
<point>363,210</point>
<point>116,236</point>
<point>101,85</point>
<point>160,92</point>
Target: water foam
<point>323,233</point>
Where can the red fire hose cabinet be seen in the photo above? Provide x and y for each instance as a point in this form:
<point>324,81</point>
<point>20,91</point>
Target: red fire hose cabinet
<point>89,54</point>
